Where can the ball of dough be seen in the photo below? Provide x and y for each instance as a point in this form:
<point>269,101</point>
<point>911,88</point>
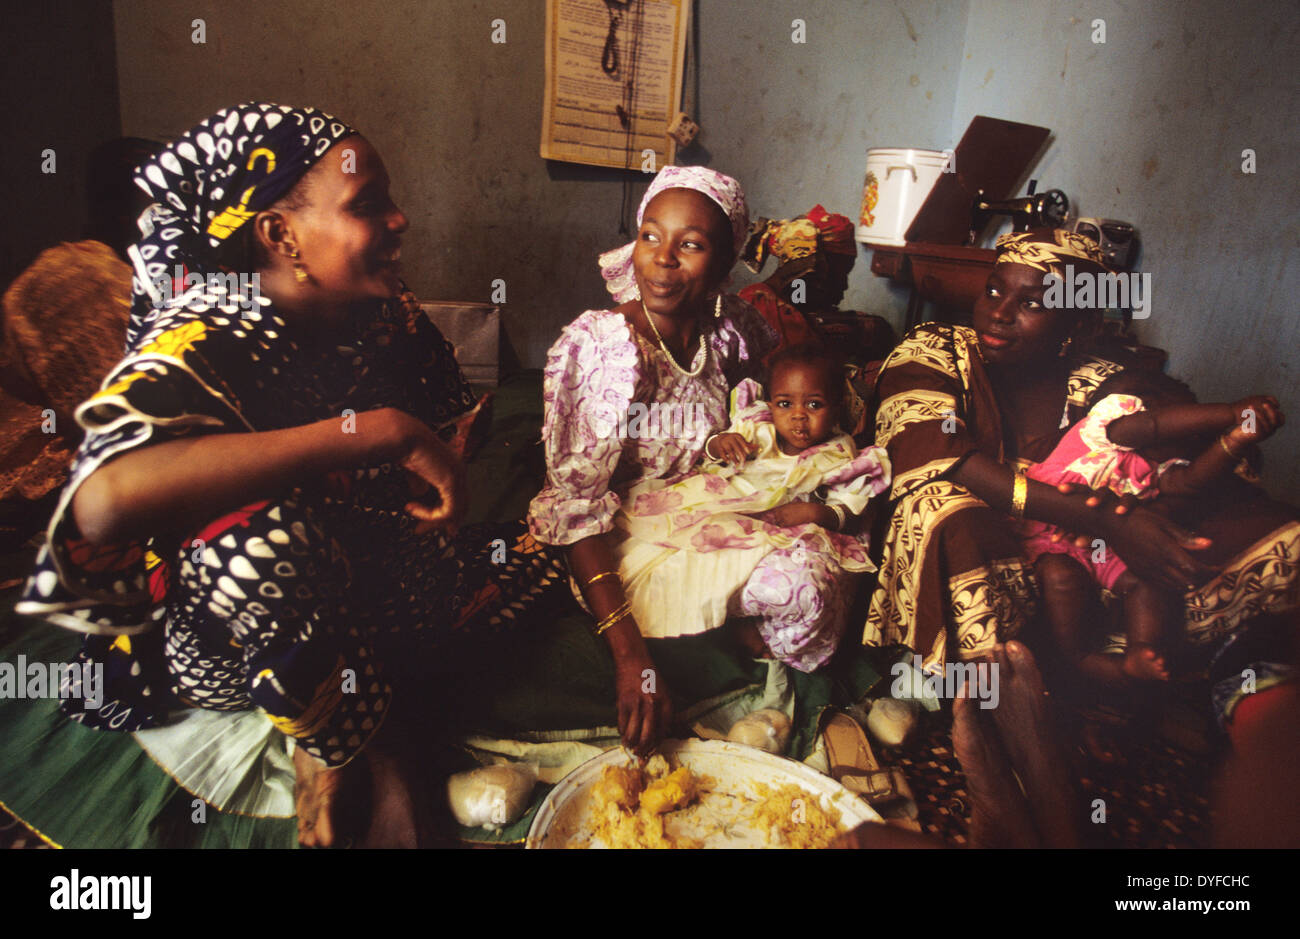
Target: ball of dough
<point>768,729</point>
<point>891,720</point>
<point>491,797</point>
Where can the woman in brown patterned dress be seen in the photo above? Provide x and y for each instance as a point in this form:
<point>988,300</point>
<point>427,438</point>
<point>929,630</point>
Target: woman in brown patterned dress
<point>963,410</point>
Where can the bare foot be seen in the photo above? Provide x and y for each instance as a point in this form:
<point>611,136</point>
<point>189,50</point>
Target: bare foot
<point>1033,743</point>
<point>999,813</point>
<point>372,802</point>
<point>1144,663</point>
<point>319,798</point>
<point>874,835</point>
<point>393,822</point>
<point>409,800</point>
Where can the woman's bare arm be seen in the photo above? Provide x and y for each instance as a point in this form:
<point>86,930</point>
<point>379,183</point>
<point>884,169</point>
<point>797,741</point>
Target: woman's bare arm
<point>993,482</point>
<point>179,485</point>
<point>643,716</point>
<point>1154,547</point>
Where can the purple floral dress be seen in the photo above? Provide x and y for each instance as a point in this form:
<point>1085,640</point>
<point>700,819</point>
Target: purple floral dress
<point>618,411</point>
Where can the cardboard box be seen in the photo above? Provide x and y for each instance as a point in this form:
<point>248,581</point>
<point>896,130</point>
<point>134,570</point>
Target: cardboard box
<point>474,329</point>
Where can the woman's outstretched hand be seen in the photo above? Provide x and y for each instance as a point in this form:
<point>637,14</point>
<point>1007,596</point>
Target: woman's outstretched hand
<point>1154,548</point>
<point>1157,550</point>
<point>437,478</point>
<point>644,708</point>
<point>1103,501</point>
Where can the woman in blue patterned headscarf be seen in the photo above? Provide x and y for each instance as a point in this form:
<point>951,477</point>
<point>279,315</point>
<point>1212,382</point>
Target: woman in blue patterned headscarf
<point>238,531</point>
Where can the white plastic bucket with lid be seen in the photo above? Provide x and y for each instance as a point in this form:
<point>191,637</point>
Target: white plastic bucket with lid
<point>897,183</point>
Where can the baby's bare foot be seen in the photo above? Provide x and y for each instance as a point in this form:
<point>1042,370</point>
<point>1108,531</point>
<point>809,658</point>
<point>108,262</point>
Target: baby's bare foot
<point>1145,664</point>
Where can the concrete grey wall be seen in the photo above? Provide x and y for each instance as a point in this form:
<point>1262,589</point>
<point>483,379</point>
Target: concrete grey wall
<point>793,121</point>
<point>1148,127</point>
<point>60,93</point>
<point>458,119</point>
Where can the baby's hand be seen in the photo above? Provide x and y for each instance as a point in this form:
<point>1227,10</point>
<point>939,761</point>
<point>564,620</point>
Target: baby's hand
<point>1257,418</point>
<point>791,514</point>
<point>731,448</point>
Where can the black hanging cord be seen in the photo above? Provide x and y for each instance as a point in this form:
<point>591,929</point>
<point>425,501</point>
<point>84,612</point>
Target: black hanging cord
<point>628,111</point>
<point>609,56</point>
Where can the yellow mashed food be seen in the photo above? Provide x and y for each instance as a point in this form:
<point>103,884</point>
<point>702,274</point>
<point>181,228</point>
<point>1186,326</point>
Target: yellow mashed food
<point>670,793</point>
<point>620,786</point>
<point>630,807</point>
<point>796,817</point>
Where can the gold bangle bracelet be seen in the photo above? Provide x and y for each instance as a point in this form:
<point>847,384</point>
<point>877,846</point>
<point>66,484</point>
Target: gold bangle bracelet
<point>1019,492</point>
<point>1223,443</point>
<point>613,618</point>
<point>599,577</point>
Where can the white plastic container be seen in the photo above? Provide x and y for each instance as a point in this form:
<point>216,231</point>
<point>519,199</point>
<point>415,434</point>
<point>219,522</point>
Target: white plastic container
<point>897,183</point>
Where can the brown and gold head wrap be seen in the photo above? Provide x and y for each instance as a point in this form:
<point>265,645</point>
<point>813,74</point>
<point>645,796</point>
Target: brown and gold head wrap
<point>1048,249</point>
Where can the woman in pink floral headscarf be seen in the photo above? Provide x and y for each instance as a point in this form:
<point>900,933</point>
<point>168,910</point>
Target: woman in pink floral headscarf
<point>632,393</point>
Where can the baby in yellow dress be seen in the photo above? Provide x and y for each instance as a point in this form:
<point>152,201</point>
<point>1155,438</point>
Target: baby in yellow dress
<point>758,531</point>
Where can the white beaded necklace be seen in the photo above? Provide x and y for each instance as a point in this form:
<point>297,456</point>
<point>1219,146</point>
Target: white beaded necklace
<point>663,345</point>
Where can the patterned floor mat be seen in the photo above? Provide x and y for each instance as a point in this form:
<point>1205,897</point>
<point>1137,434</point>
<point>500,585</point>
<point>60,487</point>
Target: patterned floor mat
<point>1158,798</point>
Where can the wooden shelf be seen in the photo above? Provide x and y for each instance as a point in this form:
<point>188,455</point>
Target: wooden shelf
<point>950,276</point>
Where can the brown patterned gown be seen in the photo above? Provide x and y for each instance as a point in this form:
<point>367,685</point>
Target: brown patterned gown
<point>953,576</point>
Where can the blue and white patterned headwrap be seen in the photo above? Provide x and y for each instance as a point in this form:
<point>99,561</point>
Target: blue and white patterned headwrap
<point>213,179</point>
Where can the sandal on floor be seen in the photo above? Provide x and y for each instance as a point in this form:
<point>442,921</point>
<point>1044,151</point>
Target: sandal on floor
<point>853,765</point>
<point>1103,733</point>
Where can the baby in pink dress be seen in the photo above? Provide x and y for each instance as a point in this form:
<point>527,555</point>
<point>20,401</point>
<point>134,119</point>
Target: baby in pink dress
<point>1132,442</point>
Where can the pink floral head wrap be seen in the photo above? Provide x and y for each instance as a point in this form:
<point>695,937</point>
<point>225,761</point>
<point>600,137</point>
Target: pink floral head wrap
<point>616,265</point>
